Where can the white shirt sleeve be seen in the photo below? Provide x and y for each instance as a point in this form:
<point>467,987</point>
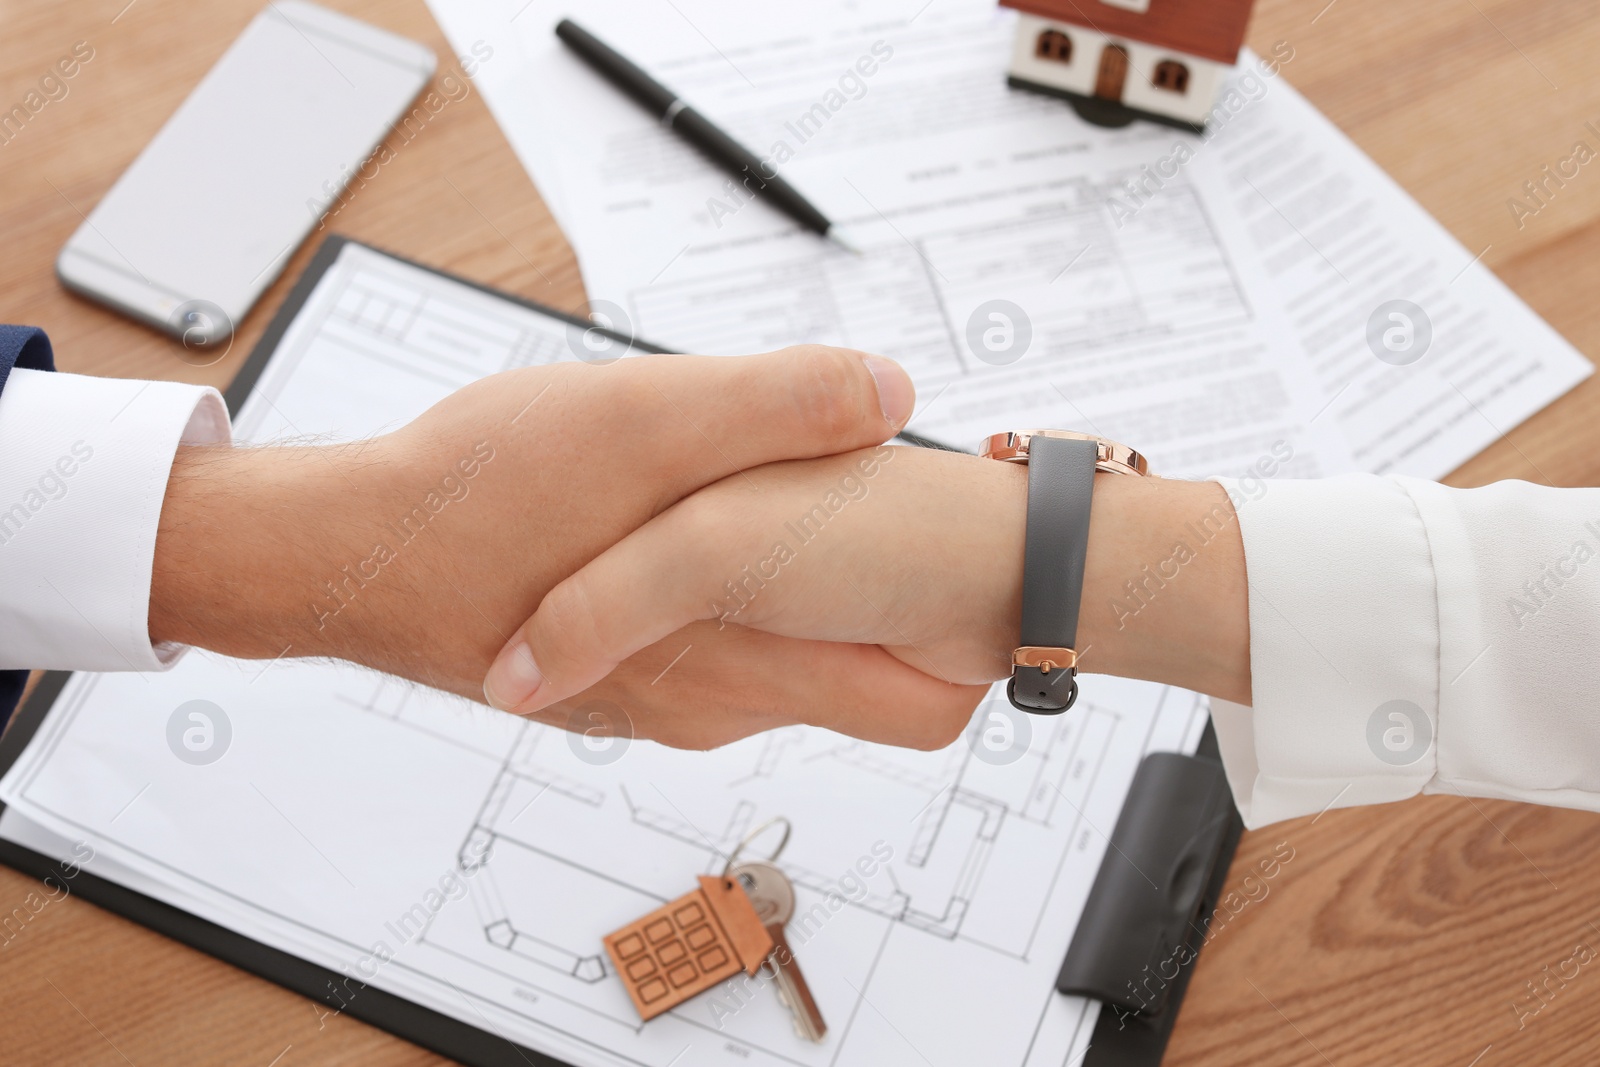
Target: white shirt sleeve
<point>1407,638</point>
<point>84,463</point>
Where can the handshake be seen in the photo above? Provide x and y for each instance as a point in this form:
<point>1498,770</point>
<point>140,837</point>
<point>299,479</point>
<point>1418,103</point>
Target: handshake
<point>715,546</point>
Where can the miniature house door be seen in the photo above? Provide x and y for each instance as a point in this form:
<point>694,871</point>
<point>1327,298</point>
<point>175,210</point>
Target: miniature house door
<point>1113,72</point>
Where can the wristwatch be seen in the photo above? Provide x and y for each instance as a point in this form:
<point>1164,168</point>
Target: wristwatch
<point>1061,470</point>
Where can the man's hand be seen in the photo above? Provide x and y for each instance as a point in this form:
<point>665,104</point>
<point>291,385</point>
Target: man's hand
<point>420,552</point>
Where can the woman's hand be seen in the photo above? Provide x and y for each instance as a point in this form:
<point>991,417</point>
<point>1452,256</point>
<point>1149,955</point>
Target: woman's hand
<point>914,551</point>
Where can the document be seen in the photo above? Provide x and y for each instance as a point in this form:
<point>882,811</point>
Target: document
<point>1219,298</point>
<point>472,861</point>
<point>991,268</point>
<point>1421,356</point>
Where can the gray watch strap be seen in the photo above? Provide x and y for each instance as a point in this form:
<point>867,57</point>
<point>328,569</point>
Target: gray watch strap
<point>1060,492</point>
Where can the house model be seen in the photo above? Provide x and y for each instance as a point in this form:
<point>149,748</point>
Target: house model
<point>1120,60</point>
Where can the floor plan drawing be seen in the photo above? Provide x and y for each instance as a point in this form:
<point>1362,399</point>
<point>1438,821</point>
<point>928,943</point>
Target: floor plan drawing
<point>972,823</point>
<point>962,864</point>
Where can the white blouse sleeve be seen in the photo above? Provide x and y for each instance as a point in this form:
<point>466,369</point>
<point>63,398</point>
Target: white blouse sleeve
<point>1410,638</point>
<point>84,463</point>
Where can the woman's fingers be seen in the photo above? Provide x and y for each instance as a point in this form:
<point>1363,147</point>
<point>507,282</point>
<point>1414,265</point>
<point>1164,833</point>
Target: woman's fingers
<point>709,684</point>
<point>652,583</point>
<point>840,549</point>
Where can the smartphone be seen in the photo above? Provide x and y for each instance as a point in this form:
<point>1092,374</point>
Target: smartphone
<point>208,214</point>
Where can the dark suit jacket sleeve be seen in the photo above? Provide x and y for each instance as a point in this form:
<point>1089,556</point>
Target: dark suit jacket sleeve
<point>29,348</point>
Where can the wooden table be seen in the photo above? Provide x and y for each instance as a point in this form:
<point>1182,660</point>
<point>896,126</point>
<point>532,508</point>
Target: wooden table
<point>1406,934</point>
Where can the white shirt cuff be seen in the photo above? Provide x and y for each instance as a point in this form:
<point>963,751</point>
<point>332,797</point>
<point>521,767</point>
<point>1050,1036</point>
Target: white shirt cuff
<point>1344,650</point>
<point>84,463</point>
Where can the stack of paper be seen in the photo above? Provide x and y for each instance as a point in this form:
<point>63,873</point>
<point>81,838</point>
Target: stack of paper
<point>1219,299</point>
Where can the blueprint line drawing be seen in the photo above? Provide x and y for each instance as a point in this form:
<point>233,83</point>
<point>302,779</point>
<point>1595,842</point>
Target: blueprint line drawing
<point>935,879</point>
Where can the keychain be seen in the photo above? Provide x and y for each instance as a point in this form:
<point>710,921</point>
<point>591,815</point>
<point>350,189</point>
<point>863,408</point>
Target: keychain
<point>734,922</point>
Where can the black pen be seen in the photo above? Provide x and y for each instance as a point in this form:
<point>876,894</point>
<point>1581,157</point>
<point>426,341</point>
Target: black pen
<point>920,441</point>
<point>695,128</point>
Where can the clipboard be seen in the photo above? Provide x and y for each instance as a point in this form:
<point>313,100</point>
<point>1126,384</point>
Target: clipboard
<point>1152,902</point>
<point>1182,861</point>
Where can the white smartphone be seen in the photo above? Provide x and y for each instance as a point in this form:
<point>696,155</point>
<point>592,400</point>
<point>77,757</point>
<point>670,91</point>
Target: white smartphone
<point>208,214</point>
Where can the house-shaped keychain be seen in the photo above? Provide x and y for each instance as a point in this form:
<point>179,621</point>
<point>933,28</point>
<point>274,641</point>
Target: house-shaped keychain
<point>1120,60</point>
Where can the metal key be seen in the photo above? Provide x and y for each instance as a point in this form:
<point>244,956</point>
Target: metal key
<point>770,890</point>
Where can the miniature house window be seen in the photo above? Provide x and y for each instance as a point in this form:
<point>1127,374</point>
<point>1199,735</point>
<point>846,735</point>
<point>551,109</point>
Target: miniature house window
<point>1054,45</point>
<point>1171,76</point>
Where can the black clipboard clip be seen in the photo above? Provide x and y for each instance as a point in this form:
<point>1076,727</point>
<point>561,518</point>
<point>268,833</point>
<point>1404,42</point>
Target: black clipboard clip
<point>1146,916</point>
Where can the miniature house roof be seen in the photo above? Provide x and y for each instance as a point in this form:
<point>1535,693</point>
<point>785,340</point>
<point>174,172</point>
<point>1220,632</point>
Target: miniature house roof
<point>1211,29</point>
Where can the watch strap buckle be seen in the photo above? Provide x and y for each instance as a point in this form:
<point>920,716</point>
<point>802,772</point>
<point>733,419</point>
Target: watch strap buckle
<point>1031,689</point>
<point>1045,658</point>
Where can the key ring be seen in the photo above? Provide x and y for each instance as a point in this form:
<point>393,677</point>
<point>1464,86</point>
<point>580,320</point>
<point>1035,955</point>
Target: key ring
<point>757,832</point>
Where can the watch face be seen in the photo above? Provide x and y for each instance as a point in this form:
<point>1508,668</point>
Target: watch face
<point>1115,458</point>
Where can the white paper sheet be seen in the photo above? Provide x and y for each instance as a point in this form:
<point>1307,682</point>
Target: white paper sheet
<point>1335,243</point>
<point>472,861</point>
<point>1169,280</point>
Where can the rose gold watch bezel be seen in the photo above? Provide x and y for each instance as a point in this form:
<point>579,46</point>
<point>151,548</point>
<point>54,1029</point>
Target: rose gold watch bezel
<point>1114,457</point>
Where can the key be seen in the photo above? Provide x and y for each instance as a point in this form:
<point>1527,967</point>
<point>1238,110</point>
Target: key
<point>770,890</point>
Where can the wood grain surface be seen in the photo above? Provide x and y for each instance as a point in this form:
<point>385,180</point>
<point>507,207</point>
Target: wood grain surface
<point>1406,934</point>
